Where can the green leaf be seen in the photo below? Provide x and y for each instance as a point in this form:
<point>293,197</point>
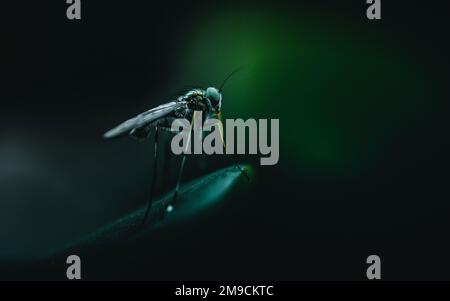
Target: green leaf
<point>195,197</point>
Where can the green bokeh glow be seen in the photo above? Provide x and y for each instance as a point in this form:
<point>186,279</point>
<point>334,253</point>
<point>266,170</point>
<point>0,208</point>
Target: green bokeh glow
<point>322,82</point>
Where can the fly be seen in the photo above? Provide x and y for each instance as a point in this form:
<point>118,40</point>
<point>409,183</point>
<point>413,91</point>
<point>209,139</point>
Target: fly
<point>208,101</point>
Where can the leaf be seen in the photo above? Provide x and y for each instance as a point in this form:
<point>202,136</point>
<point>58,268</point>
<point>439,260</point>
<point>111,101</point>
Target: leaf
<point>194,197</point>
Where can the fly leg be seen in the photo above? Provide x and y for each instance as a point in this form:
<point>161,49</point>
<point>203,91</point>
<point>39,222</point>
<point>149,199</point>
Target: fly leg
<point>155,168</point>
<point>225,149</point>
<point>177,187</point>
<point>239,167</point>
<point>180,171</point>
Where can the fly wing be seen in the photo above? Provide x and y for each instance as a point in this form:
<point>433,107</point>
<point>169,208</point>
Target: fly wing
<point>143,119</point>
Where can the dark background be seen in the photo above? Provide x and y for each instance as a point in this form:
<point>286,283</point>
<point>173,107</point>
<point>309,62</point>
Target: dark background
<point>363,140</point>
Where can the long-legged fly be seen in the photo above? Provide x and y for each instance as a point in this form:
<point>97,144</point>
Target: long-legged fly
<point>208,101</point>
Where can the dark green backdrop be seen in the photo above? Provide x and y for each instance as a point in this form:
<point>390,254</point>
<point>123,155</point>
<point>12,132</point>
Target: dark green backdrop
<point>363,136</point>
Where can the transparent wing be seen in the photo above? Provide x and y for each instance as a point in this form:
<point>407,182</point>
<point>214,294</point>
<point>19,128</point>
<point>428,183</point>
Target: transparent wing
<point>143,119</point>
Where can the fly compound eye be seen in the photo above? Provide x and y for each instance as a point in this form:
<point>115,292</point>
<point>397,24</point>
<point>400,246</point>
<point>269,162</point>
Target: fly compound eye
<point>213,95</point>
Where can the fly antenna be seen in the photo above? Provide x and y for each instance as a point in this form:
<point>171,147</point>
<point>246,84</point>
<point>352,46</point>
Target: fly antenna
<point>228,77</point>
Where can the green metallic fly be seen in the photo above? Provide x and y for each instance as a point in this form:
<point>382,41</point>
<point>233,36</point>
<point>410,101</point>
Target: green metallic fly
<point>208,101</point>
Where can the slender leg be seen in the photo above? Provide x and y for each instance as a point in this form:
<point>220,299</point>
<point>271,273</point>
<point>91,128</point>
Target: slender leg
<point>155,168</point>
<point>225,149</point>
<point>234,162</point>
<point>240,168</point>
<point>180,171</point>
<point>175,194</point>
